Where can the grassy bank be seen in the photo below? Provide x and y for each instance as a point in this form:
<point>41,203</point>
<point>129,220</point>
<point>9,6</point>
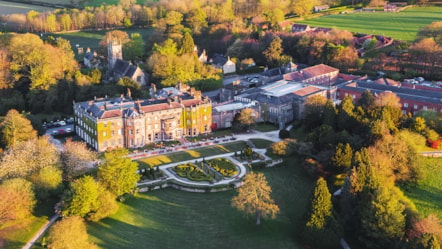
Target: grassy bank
<point>427,195</point>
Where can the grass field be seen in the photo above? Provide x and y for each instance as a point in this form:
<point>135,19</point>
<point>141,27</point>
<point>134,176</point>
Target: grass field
<point>403,25</point>
<point>18,8</point>
<point>170,218</point>
<point>91,39</point>
<point>191,154</point>
<point>427,195</point>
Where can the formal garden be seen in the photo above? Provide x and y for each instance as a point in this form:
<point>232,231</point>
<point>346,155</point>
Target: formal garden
<point>191,172</point>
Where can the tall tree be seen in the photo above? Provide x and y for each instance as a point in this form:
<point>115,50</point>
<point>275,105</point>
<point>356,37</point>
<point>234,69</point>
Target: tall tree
<point>15,129</point>
<point>89,199</point>
<point>187,44</point>
<point>321,229</point>
<point>254,198</point>
<point>69,233</point>
<point>382,218</point>
<point>134,49</point>
<point>343,156</point>
<point>118,173</point>
<point>16,203</point>
<point>274,53</point>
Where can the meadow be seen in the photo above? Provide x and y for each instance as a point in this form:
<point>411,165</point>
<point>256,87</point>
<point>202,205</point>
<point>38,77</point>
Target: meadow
<point>402,25</point>
<point>91,39</point>
<point>19,8</point>
<point>427,195</point>
<point>169,218</point>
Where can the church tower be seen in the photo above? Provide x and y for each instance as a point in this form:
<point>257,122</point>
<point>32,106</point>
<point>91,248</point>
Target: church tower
<point>114,52</point>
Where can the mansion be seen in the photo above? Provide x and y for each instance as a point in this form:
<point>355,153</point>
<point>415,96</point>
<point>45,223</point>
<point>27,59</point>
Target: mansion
<point>108,123</point>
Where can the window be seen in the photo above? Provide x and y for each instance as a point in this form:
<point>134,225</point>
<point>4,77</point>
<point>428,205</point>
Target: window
<point>405,104</point>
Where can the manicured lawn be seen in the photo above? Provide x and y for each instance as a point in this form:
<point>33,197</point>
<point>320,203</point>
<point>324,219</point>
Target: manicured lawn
<point>403,25</point>
<point>170,218</point>
<point>427,195</point>
<point>265,127</point>
<point>261,143</point>
<point>191,154</point>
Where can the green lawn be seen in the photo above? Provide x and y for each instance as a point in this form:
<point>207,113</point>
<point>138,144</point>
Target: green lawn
<point>427,195</point>
<point>170,218</point>
<point>90,39</point>
<point>403,25</point>
<point>265,127</point>
<point>191,154</point>
<point>261,143</point>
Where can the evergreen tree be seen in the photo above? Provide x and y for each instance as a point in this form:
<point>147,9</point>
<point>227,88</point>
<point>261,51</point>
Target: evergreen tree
<point>321,229</point>
<point>343,157</point>
<point>187,44</point>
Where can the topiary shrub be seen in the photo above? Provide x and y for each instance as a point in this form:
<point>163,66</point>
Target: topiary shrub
<point>283,134</point>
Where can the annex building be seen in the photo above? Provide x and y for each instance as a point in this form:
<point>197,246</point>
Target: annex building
<point>108,123</point>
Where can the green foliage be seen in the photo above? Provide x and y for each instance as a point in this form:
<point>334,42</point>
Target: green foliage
<point>223,166</point>
<point>118,173</point>
<point>274,53</point>
<point>134,49</point>
<point>15,129</point>
<point>321,206</point>
<point>284,134</point>
<point>89,199</point>
<point>16,203</point>
<point>343,156</point>
<point>69,233</point>
<point>382,219</point>
<point>191,172</point>
<point>47,181</point>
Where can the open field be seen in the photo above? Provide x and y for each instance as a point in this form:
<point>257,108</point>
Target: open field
<point>403,25</point>
<point>170,218</point>
<point>427,195</point>
<point>191,154</point>
<point>91,39</point>
<point>18,8</point>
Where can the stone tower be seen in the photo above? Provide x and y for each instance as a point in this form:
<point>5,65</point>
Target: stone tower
<point>114,52</point>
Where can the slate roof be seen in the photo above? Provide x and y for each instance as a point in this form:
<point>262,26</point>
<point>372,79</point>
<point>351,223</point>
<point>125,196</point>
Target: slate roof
<point>124,68</point>
<point>403,93</point>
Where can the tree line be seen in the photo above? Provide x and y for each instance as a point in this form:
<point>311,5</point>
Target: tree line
<point>33,170</point>
<point>369,149</point>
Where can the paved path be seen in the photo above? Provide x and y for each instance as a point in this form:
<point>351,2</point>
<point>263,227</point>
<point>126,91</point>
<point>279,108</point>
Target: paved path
<point>40,232</point>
